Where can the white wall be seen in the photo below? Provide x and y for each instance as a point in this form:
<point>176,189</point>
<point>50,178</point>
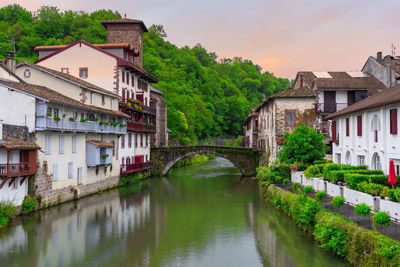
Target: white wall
<point>15,195</point>
<point>5,75</point>
<point>17,108</point>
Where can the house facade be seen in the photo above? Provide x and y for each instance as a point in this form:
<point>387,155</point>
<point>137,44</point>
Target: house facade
<point>366,133</point>
<point>79,151</point>
<point>116,67</point>
<point>281,113</point>
<point>251,130</point>
<point>385,69</point>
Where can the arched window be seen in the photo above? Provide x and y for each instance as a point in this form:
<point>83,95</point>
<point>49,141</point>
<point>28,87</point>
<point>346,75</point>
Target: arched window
<point>376,162</point>
<point>348,158</point>
<point>375,127</point>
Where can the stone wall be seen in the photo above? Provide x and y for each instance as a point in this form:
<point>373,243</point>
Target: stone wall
<point>19,132</point>
<point>160,138</point>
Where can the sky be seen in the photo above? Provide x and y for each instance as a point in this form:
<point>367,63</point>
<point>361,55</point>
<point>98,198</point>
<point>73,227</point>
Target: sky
<point>282,36</point>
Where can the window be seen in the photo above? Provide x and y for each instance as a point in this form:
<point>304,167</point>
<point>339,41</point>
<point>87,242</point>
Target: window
<point>92,98</point>
<point>70,168</point>
<point>127,77</point>
<point>61,144</point>
<point>136,139</point>
<point>123,141</point>
<point>359,125</point>
<point>47,144</point>
<point>82,115</point>
<point>348,158</point>
<point>74,144</point>
<point>133,80</point>
<point>83,72</point>
<point>141,140</point>
<point>347,126</point>
<point>92,117</point>
<point>361,160</point>
<point>376,162</point>
<point>338,157</point>
<point>65,70</point>
<point>113,150</point>
<point>103,100</point>
<point>290,117</point>
<point>112,103</point>
<point>27,73</point>
<point>393,121</point>
<point>55,172</point>
<point>375,127</point>
<point>55,112</point>
<point>334,132</point>
<point>129,140</point>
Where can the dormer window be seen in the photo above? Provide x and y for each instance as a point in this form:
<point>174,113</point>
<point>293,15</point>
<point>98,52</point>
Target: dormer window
<point>83,73</point>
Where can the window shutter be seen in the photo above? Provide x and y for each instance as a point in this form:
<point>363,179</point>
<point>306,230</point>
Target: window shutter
<point>347,127</point>
<point>70,167</point>
<point>55,172</point>
<point>48,144</point>
<point>61,144</point>
<point>334,131</point>
<point>393,121</point>
<point>74,144</point>
<point>359,125</point>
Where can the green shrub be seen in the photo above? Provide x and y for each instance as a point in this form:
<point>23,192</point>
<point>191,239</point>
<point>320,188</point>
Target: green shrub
<point>286,181</point>
<point>337,202</point>
<point>263,173</point>
<point>338,167</point>
<point>296,188</point>
<point>353,179</point>
<point>308,189</point>
<point>58,198</point>
<point>301,166</point>
<point>278,179</point>
<point>281,169</point>
<point>314,171</point>
<point>362,209</point>
<point>381,218</point>
<point>28,204</point>
<point>371,188</point>
<point>320,195</point>
<point>330,232</point>
<point>338,176</point>
<point>323,161</point>
<point>394,194</point>
<point>7,213</point>
<point>100,192</point>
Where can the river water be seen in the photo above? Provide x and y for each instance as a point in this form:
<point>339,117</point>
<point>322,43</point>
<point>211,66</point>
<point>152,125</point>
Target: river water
<point>203,215</point>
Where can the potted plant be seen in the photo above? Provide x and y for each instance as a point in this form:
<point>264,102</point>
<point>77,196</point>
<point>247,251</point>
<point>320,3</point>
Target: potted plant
<point>104,156</point>
<point>71,119</point>
<point>338,202</point>
<point>122,125</point>
<point>362,209</point>
<point>381,218</point>
<point>49,114</point>
<point>57,118</point>
<point>84,119</point>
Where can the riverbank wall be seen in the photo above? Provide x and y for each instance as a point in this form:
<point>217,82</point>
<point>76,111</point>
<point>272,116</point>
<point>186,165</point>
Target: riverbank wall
<point>333,232</point>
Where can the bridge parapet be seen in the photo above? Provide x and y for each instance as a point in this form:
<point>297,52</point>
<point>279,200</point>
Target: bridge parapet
<point>245,159</point>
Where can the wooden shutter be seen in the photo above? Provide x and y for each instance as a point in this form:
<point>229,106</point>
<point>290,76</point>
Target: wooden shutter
<point>74,144</point>
<point>123,76</point>
<point>55,172</point>
<point>334,131</point>
<point>61,144</point>
<point>393,121</point>
<point>48,144</point>
<point>70,167</point>
<point>347,126</point>
<point>359,125</point>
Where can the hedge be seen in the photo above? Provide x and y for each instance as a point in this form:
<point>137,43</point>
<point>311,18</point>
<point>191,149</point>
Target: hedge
<point>314,170</point>
<point>353,179</point>
<point>334,233</point>
<point>338,176</point>
<point>338,167</point>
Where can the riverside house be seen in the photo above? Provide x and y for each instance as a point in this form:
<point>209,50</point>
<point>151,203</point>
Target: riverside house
<point>281,113</point>
<point>78,153</point>
<point>336,90</point>
<point>117,67</point>
<point>366,133</point>
<point>251,130</point>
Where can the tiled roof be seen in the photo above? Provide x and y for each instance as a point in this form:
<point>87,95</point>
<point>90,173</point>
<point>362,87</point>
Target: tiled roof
<point>388,96</point>
<point>55,97</point>
<point>125,21</point>
<point>69,78</point>
<point>255,114</point>
<point>100,143</point>
<point>366,83</point>
<point>10,72</point>
<point>102,46</point>
<point>301,92</point>
<point>11,143</point>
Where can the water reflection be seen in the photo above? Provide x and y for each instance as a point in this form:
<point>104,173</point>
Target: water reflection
<point>205,215</point>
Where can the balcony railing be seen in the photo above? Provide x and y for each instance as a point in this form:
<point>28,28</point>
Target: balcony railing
<point>17,169</point>
<point>135,167</point>
<point>330,107</point>
<point>137,107</point>
<point>141,127</point>
<point>48,123</point>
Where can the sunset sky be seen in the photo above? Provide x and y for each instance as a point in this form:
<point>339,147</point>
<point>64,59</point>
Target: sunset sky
<point>282,37</point>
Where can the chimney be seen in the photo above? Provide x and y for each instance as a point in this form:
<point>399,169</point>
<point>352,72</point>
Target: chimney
<point>301,79</point>
<point>1,130</point>
<point>127,31</point>
<point>11,63</point>
<point>379,56</point>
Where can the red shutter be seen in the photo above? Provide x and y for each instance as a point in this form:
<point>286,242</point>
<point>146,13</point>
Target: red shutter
<point>393,121</point>
<point>334,131</point>
<point>359,125</point>
<point>123,76</point>
<point>347,127</point>
<point>123,95</point>
<point>127,77</point>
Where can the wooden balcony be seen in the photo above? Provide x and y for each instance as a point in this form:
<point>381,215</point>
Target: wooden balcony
<point>127,169</point>
<point>330,107</point>
<point>17,169</point>
<point>141,127</point>
<point>138,107</point>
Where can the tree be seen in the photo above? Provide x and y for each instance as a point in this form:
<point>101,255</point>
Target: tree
<point>304,145</point>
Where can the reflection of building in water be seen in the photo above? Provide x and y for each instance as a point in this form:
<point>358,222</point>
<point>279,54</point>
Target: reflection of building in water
<point>13,241</point>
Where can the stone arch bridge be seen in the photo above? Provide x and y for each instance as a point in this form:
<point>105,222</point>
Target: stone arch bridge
<point>245,159</point>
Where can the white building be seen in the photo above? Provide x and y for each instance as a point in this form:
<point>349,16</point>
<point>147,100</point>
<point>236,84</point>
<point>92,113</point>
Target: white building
<point>116,67</point>
<point>386,69</point>
<point>366,133</point>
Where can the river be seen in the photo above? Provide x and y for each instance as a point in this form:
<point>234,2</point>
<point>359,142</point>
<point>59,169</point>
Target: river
<point>203,215</point>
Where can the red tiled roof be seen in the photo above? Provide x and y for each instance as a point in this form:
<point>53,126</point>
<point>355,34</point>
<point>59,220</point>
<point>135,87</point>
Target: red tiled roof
<point>11,143</point>
<point>125,21</point>
<point>249,117</point>
<point>388,96</point>
<point>102,46</point>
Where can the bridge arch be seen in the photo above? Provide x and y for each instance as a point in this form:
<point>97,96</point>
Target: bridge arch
<point>245,159</point>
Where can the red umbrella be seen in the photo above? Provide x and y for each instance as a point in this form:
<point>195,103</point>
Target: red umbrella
<point>392,174</point>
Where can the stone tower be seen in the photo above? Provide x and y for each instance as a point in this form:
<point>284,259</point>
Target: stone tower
<point>127,31</point>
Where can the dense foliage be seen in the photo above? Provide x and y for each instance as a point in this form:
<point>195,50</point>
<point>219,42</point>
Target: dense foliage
<point>304,145</point>
<point>206,97</point>
<point>7,213</point>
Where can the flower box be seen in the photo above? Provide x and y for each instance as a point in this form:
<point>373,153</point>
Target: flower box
<point>333,190</point>
<point>393,208</point>
<point>355,197</point>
